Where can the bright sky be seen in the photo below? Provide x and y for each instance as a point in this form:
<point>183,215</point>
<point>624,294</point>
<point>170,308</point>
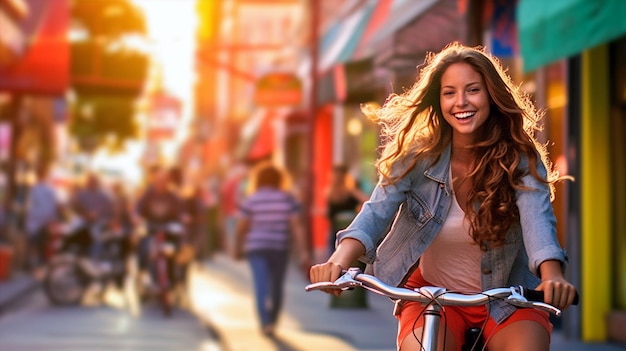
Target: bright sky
<point>171,42</point>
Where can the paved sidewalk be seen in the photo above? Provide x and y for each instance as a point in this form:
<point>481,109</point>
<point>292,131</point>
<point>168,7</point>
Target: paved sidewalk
<point>307,323</point>
<point>16,287</point>
<point>224,299</point>
<point>102,327</point>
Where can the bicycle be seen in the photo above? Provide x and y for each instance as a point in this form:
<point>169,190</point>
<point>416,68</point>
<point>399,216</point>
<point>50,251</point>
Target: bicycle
<point>436,297</point>
<point>74,269</point>
<point>165,273</point>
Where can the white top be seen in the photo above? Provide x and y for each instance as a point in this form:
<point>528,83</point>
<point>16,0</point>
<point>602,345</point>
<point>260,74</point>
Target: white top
<point>453,259</point>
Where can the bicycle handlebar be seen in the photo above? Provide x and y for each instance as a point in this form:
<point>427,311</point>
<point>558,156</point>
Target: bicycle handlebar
<point>518,296</point>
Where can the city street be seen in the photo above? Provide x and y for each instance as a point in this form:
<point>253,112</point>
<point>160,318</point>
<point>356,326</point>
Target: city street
<point>220,317</point>
<point>35,325</point>
<point>217,124</point>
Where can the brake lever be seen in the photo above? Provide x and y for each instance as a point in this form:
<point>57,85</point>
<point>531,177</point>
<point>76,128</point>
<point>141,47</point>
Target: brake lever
<point>518,300</point>
<point>345,282</point>
<point>321,286</point>
<point>539,305</point>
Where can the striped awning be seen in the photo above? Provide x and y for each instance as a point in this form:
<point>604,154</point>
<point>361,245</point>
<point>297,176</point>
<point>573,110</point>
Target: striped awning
<point>356,36</point>
<point>339,42</point>
<point>399,14</point>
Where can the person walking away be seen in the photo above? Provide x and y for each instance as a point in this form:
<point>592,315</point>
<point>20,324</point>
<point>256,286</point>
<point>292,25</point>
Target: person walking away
<point>231,193</point>
<point>344,199</point>
<point>43,215</point>
<point>267,221</point>
<point>470,189</point>
<point>124,218</point>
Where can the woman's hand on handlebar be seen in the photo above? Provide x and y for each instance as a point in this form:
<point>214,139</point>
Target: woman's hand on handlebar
<point>348,251</point>
<point>557,291</point>
<point>326,272</point>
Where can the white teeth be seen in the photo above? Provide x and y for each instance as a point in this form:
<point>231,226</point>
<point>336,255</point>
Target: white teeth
<point>464,115</point>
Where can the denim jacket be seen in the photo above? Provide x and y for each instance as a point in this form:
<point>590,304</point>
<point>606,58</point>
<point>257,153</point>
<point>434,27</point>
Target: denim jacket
<point>418,204</point>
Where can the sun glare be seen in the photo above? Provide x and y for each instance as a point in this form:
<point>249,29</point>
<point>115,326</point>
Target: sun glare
<point>171,44</point>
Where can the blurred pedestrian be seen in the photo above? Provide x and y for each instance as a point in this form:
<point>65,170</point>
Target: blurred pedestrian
<point>344,199</point>
<point>158,205</point>
<point>43,215</point>
<point>212,228</point>
<point>268,220</point>
<point>193,207</point>
<point>92,202</point>
<point>124,216</point>
<point>231,193</point>
<point>123,213</point>
<point>94,206</point>
<point>468,188</point>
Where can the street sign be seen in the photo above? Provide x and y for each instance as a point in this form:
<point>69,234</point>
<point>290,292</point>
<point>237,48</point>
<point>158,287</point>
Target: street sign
<point>164,117</point>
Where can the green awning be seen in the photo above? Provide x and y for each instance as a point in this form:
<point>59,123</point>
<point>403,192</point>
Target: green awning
<point>551,30</point>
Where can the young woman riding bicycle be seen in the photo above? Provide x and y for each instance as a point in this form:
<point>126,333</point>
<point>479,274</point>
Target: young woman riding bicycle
<point>468,188</point>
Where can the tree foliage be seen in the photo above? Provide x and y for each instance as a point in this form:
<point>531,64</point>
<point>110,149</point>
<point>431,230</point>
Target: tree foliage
<point>107,73</point>
<point>103,121</point>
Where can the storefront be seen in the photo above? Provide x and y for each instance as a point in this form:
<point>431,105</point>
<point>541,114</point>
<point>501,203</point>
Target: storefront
<point>343,135</point>
<point>575,47</point>
<point>569,56</point>
<point>34,76</point>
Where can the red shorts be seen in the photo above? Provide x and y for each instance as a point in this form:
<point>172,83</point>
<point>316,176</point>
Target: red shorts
<point>459,319</point>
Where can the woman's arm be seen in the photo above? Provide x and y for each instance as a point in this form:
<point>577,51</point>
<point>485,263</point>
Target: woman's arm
<point>538,223</point>
<point>359,240</point>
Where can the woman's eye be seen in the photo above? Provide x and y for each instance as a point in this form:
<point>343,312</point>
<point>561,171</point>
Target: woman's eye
<point>448,93</point>
<point>474,90</point>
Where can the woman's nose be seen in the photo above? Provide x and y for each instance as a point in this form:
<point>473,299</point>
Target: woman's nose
<point>461,99</point>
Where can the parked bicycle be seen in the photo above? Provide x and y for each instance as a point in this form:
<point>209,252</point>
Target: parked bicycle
<point>166,269</point>
<point>435,298</point>
<point>76,266</point>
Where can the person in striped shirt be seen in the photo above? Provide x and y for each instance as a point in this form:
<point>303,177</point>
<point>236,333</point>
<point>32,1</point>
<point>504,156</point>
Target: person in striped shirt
<point>268,222</point>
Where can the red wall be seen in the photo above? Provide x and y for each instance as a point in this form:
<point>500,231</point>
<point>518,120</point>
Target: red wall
<point>322,166</point>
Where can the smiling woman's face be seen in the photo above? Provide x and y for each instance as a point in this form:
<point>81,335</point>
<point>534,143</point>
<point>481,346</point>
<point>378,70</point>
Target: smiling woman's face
<point>464,101</point>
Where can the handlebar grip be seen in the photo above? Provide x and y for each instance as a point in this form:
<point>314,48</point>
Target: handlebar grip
<point>537,296</point>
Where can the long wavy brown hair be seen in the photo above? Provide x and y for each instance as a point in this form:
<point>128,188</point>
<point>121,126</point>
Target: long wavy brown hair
<point>413,128</point>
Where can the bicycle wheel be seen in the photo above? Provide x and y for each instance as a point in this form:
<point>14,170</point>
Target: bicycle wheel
<point>64,283</point>
<point>163,282</point>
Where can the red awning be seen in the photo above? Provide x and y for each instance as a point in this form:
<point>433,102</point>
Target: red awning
<point>43,67</point>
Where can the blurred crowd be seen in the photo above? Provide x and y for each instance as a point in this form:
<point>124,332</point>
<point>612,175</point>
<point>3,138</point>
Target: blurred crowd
<point>254,212</point>
<point>209,210</point>
<point>50,212</point>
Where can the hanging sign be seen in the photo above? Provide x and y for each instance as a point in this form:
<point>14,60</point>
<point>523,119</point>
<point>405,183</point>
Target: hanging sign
<point>278,89</point>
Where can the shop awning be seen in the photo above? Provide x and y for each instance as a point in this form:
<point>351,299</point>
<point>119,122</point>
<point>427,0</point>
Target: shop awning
<point>342,38</point>
<point>34,50</point>
<point>429,30</point>
<point>350,82</point>
<point>553,30</point>
<point>401,13</point>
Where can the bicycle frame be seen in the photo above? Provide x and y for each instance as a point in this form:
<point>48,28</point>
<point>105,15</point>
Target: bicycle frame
<point>432,319</point>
